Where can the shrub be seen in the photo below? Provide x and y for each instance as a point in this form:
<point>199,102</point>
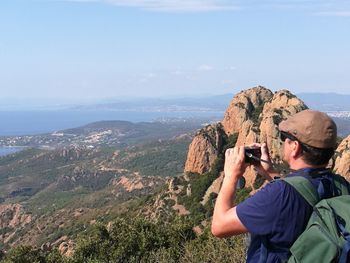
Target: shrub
<point>134,240</point>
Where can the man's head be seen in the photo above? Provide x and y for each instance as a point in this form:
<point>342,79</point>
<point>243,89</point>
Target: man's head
<point>310,134</point>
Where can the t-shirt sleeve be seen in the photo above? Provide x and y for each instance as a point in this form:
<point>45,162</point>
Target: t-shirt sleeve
<point>259,212</point>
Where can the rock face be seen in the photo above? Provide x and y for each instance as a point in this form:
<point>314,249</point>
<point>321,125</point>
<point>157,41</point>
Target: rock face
<point>66,248</point>
<point>254,115</point>
<point>214,188</point>
<point>12,218</point>
<point>204,149</point>
<point>342,162</point>
<point>126,186</point>
<point>282,105</point>
<point>245,105</point>
<point>13,215</point>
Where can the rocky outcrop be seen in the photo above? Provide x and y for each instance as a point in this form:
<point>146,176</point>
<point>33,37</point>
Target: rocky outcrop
<point>282,105</point>
<point>66,248</point>
<point>13,215</point>
<point>254,115</point>
<point>130,184</point>
<point>166,204</point>
<point>214,188</point>
<point>265,129</point>
<point>244,106</point>
<point>342,162</point>
<point>12,219</point>
<point>248,133</point>
<point>135,182</point>
<point>204,149</point>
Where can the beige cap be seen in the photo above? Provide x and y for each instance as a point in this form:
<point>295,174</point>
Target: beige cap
<point>311,127</point>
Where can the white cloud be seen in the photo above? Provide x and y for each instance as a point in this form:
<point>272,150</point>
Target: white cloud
<point>231,68</point>
<point>205,68</point>
<point>334,13</point>
<point>177,72</point>
<point>151,75</point>
<point>171,5</point>
<point>227,82</point>
<point>319,7</point>
<point>148,76</point>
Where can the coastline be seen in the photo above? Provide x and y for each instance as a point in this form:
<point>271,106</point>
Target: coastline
<point>6,150</point>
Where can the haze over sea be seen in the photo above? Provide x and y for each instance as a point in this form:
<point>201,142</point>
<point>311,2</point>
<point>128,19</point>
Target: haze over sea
<point>36,122</point>
<point>15,123</point>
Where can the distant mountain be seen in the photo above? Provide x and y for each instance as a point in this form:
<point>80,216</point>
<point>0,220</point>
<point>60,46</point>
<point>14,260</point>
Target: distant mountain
<point>326,101</point>
<point>205,103</point>
<point>343,125</point>
<point>323,101</point>
<point>315,100</point>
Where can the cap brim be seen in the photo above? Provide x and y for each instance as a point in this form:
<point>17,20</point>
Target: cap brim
<point>283,126</point>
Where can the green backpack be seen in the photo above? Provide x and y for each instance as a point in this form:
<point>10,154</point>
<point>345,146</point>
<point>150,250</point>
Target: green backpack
<point>326,237</point>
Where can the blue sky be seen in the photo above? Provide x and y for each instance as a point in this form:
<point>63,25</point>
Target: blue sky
<point>94,49</point>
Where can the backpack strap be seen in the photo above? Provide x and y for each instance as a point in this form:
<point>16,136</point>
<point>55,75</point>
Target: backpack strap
<point>341,184</point>
<point>344,256</point>
<point>303,187</point>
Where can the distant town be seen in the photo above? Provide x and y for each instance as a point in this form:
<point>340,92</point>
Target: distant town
<point>339,114</point>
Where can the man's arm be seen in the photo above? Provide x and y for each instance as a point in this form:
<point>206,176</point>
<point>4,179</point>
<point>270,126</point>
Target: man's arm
<point>225,220</point>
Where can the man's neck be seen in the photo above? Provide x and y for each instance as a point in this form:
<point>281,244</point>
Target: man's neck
<point>302,165</point>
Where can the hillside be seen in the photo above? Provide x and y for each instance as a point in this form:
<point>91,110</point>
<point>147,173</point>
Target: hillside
<point>149,202</point>
<point>112,133</point>
<point>49,194</point>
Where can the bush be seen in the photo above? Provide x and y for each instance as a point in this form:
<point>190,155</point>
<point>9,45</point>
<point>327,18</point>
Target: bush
<point>24,254</point>
<point>259,181</point>
<point>134,240</point>
<point>207,248</point>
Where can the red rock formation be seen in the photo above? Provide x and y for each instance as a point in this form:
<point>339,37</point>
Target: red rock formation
<point>204,149</point>
<point>254,114</point>
<point>282,105</point>
<point>12,218</point>
<point>342,162</point>
<point>243,106</point>
<point>13,215</point>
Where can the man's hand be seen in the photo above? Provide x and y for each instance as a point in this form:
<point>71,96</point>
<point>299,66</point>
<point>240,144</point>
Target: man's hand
<point>234,163</point>
<point>264,168</point>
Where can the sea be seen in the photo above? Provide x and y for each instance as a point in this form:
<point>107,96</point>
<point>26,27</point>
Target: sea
<point>15,123</point>
<point>9,150</point>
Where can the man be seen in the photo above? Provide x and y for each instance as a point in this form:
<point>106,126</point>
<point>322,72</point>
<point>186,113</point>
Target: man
<point>277,214</point>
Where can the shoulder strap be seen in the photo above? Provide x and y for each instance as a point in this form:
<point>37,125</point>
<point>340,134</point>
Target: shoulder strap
<point>341,184</point>
<point>304,187</point>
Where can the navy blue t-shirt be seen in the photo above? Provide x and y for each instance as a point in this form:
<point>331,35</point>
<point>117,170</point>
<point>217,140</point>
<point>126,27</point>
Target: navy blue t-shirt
<point>277,213</point>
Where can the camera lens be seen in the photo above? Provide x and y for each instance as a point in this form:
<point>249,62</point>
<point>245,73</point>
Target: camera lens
<point>252,155</point>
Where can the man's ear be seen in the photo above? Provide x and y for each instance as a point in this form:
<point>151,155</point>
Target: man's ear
<point>297,150</point>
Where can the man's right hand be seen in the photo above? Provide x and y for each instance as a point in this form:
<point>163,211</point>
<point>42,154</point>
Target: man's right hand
<point>234,163</point>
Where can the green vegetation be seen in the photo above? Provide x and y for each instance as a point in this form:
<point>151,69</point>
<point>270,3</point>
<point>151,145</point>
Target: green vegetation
<point>138,240</point>
<point>158,159</point>
<point>229,142</point>
<point>68,168</point>
<point>277,119</point>
<point>28,254</point>
<point>259,181</point>
<point>199,183</point>
<point>256,113</point>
